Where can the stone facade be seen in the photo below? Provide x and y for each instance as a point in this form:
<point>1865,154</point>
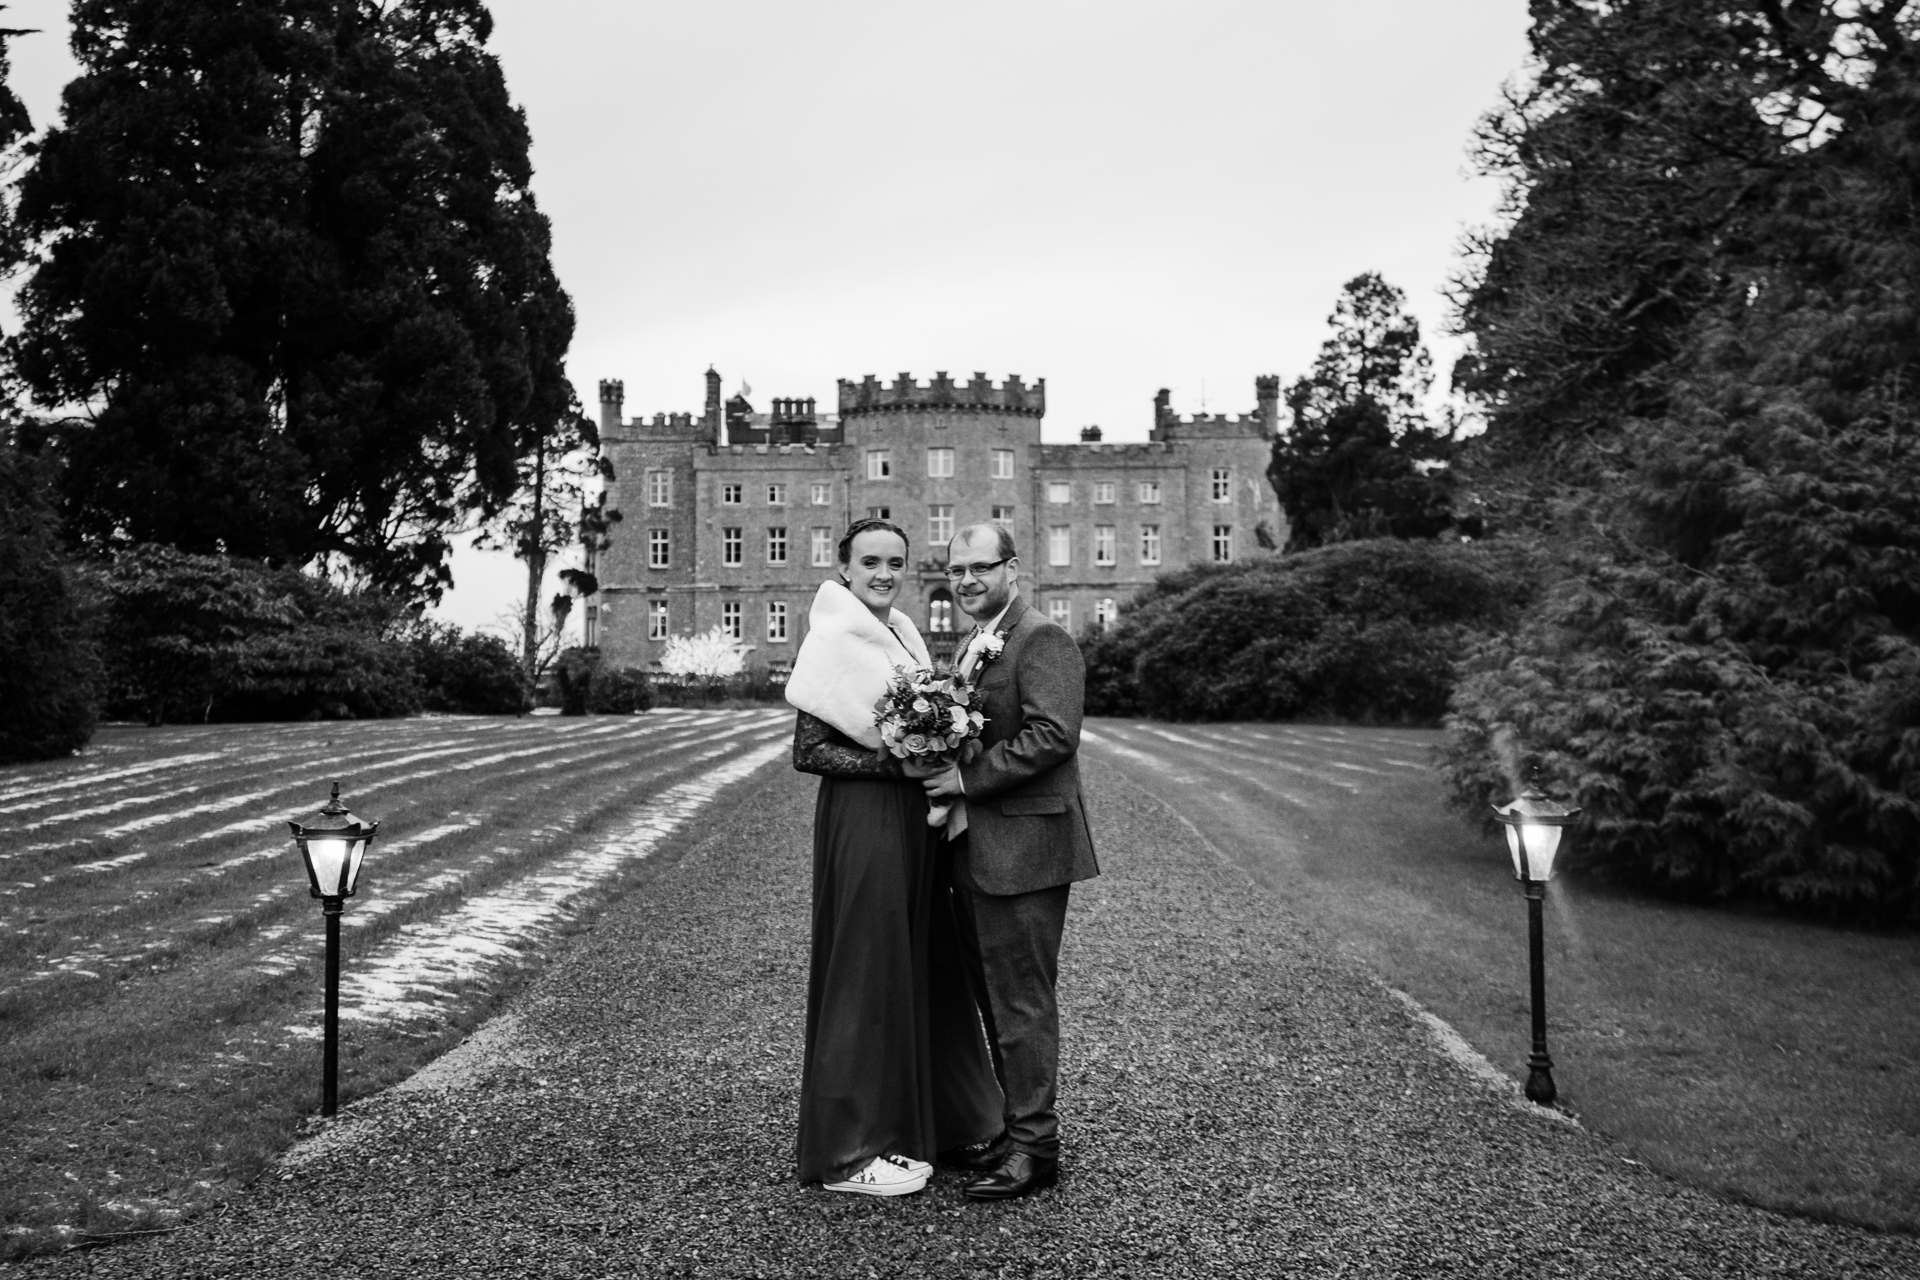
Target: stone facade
<point>731,517</point>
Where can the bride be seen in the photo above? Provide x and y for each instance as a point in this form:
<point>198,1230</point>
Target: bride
<point>896,1067</point>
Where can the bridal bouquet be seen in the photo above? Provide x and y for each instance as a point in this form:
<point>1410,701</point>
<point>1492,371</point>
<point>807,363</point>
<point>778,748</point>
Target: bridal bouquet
<point>928,713</point>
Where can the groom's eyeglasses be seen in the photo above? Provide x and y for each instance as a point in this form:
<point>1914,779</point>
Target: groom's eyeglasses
<point>958,571</point>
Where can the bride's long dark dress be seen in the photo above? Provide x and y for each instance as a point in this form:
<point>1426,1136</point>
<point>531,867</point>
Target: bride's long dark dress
<point>896,1059</point>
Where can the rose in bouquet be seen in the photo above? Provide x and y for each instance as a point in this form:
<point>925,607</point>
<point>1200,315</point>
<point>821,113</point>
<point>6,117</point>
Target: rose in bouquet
<point>930,714</point>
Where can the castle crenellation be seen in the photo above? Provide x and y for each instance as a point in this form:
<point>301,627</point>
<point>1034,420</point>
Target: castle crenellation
<point>730,516</point>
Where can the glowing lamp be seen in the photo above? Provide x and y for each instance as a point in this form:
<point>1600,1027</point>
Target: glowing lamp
<point>333,843</point>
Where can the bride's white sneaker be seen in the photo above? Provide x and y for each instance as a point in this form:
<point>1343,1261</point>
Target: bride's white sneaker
<point>880,1176</point>
<point>920,1167</point>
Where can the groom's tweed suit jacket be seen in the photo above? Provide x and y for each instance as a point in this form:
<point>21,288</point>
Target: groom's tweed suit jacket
<point>1026,824</point>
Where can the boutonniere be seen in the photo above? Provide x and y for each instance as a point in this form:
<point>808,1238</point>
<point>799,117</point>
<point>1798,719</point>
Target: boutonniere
<point>990,648</point>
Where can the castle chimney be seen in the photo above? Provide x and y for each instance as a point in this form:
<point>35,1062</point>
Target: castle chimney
<point>1090,435</point>
<point>711,417</point>
<point>1266,388</point>
<point>1163,415</point>
<point>613,394</point>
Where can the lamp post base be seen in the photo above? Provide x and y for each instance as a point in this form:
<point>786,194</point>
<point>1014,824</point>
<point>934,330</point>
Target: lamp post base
<point>1540,1083</point>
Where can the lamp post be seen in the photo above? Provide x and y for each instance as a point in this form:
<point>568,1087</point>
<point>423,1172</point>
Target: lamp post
<point>1534,824</point>
<point>332,843</point>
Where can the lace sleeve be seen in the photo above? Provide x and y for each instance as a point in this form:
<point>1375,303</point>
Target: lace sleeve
<point>819,748</point>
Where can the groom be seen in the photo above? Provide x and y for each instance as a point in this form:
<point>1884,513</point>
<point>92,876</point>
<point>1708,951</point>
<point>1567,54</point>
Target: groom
<point>1018,842</point>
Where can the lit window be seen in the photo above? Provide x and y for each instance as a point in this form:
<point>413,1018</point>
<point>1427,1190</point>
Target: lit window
<point>940,614</point>
<point>939,463</point>
<point>659,547</point>
<point>1104,613</point>
<point>879,513</point>
<point>1148,491</point>
<point>659,488</point>
<point>1104,543</point>
<point>1060,612</point>
<point>730,619</point>
<point>821,541</point>
<point>1003,515</point>
<point>1222,485</point>
<point>776,620</point>
<point>1103,492</point>
<point>1060,544</point>
<point>1222,544</point>
<point>1059,491</point>
<point>1149,544</point>
<point>732,546</point>
<point>1003,464</point>
<point>776,495</point>
<point>777,545</point>
<point>730,494</point>
<point>656,619</point>
<point>879,464</point>
<point>820,493</point>
<point>940,524</point>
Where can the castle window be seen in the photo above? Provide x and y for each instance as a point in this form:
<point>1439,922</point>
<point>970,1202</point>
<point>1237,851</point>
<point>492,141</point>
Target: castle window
<point>1103,492</point>
<point>776,621</point>
<point>1003,515</point>
<point>1060,544</point>
<point>940,612</point>
<point>1149,544</point>
<point>1060,612</point>
<point>1003,464</point>
<point>940,523</point>
<point>730,619</point>
<point>879,464</point>
<point>730,494</point>
<point>659,549</point>
<point>939,463</point>
<point>1059,491</point>
<point>1103,544</point>
<point>821,540</point>
<point>776,495</point>
<point>1223,544</point>
<point>1105,612</point>
<point>879,513</point>
<point>1222,484</point>
<point>659,488</point>
<point>820,493</point>
<point>777,545</point>
<point>732,545</point>
<point>1148,491</point>
<point>656,619</point>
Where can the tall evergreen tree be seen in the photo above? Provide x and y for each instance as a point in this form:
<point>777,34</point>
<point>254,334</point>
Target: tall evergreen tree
<point>1359,458</point>
<point>290,281</point>
<point>1703,327</point>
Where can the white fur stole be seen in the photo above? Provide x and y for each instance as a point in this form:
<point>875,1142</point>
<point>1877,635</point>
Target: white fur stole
<point>847,659</point>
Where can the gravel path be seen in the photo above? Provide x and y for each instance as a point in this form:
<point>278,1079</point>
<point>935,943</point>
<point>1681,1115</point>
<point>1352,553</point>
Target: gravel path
<point>1236,1101</point>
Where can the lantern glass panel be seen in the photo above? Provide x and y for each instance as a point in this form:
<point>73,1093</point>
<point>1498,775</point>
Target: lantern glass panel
<point>1542,844</point>
<point>353,864</point>
<point>328,856</point>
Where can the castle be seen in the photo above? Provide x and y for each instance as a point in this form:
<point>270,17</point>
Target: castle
<point>731,518</point>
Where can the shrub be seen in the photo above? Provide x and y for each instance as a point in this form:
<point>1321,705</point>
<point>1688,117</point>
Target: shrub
<point>1700,771</point>
<point>618,691</point>
<point>573,674</point>
<point>712,653</point>
<point>1366,631</point>
<point>467,674</point>
<point>218,638</point>
<point>49,674</point>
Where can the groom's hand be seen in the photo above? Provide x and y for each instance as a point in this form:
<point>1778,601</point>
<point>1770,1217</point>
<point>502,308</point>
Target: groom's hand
<point>922,766</point>
<point>945,784</point>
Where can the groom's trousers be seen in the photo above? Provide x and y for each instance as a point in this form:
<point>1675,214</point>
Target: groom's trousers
<point>1011,944</point>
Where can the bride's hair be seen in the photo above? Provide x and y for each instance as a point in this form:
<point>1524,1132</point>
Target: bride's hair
<point>859,527</point>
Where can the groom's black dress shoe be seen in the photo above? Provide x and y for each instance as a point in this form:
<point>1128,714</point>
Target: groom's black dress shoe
<point>1018,1174</point>
<point>981,1157</point>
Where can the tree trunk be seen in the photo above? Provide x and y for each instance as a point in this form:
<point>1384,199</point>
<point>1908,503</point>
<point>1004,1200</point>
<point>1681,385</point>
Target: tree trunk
<point>533,550</point>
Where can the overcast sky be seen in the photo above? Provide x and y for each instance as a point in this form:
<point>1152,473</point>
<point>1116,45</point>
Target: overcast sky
<point>1116,196</point>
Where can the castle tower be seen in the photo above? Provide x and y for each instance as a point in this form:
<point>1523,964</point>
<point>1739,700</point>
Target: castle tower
<point>710,417</point>
<point>613,394</point>
<point>1266,389</point>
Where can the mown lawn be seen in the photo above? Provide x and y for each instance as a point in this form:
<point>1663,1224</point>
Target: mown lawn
<point>160,956</point>
<point>1772,1059</point>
